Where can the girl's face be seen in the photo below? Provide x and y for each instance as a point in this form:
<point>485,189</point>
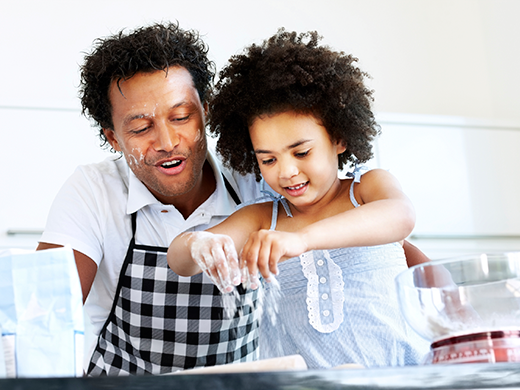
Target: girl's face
<point>297,157</point>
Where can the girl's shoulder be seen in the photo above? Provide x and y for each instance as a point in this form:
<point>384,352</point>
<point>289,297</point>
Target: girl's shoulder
<point>373,184</point>
<point>365,174</point>
<point>375,177</point>
<point>261,207</point>
<point>260,212</point>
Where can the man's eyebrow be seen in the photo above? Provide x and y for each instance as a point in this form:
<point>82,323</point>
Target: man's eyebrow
<point>182,103</point>
<point>130,118</point>
<point>292,146</point>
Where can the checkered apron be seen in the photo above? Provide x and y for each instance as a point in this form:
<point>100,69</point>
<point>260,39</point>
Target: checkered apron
<point>161,322</point>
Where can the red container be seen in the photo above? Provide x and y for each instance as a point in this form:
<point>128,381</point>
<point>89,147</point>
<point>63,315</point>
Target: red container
<point>468,308</point>
<point>485,347</point>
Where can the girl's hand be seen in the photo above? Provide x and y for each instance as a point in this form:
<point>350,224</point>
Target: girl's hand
<point>216,255</point>
<point>264,249</point>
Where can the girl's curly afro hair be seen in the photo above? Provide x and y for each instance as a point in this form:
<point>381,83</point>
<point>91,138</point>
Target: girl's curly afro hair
<point>291,72</point>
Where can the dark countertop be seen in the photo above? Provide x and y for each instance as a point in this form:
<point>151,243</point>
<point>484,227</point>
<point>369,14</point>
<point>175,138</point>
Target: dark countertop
<point>456,376</point>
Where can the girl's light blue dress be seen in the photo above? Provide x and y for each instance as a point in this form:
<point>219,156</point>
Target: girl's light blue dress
<point>340,306</point>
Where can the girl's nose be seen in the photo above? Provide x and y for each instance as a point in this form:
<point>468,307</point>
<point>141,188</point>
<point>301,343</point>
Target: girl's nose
<point>288,170</point>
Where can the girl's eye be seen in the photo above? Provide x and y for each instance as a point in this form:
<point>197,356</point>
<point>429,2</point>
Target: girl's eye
<point>302,154</point>
<point>268,162</point>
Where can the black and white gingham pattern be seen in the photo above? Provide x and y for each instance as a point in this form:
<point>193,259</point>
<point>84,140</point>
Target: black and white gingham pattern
<point>162,322</point>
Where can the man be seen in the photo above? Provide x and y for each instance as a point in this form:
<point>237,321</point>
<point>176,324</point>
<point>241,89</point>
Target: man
<point>147,91</point>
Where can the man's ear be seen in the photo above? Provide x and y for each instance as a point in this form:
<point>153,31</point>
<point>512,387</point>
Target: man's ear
<point>112,140</point>
<point>205,107</point>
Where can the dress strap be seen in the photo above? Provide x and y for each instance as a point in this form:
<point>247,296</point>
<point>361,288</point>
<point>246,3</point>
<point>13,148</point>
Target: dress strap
<point>270,196</point>
<point>356,174</point>
<point>276,199</point>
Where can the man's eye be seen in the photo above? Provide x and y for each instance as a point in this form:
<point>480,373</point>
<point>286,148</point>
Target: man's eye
<point>139,131</point>
<point>184,118</point>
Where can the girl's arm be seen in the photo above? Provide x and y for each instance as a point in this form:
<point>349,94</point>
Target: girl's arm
<point>385,215</point>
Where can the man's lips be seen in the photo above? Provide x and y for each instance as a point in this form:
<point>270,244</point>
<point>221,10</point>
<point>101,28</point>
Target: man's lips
<point>171,166</point>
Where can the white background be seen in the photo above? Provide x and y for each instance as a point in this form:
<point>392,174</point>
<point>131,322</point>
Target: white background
<point>428,59</point>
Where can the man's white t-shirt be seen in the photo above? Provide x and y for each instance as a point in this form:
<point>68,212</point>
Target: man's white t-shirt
<point>92,214</point>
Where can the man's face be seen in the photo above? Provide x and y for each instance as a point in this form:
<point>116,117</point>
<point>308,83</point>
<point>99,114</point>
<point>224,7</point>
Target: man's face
<point>159,126</point>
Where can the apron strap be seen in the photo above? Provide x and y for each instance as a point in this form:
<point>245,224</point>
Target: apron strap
<point>231,191</point>
<point>127,260</point>
<point>134,223</point>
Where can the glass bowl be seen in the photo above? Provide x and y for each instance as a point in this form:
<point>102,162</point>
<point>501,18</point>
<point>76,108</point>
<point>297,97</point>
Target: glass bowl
<point>465,306</point>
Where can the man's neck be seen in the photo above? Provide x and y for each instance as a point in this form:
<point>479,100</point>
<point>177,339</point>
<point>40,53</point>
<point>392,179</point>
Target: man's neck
<point>186,204</point>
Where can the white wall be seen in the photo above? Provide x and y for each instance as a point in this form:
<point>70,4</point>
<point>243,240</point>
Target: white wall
<point>430,57</point>
<point>462,177</point>
<point>448,57</point>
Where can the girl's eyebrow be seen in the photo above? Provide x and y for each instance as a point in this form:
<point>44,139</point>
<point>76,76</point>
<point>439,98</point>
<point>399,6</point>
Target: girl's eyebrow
<point>292,146</point>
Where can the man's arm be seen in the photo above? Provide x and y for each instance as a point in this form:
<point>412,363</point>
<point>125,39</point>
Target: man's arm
<point>87,268</point>
<point>413,254</point>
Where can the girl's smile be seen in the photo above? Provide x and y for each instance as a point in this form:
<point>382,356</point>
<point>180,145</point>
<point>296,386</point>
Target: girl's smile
<point>297,157</point>
<point>297,190</point>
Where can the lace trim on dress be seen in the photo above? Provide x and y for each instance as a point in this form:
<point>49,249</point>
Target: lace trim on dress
<point>324,291</point>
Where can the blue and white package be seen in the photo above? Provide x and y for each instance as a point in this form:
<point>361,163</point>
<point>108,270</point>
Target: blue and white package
<point>41,313</point>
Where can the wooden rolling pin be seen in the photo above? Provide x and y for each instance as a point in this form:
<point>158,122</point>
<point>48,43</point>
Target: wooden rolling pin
<point>292,362</point>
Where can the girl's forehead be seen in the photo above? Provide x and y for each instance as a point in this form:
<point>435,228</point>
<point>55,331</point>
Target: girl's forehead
<point>285,118</point>
<point>285,130</point>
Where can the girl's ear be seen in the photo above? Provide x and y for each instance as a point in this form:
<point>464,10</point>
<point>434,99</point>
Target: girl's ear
<point>112,140</point>
<point>340,147</point>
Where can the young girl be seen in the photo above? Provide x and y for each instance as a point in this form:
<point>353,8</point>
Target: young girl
<point>293,112</point>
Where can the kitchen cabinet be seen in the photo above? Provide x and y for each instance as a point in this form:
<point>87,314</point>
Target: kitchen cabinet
<point>41,148</point>
<point>463,176</point>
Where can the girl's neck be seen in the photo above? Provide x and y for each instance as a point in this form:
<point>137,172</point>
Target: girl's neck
<point>334,202</point>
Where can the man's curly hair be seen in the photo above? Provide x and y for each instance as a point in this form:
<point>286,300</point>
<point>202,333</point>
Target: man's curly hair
<point>146,49</point>
<point>291,72</point>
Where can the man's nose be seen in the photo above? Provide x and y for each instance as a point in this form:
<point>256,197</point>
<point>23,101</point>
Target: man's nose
<point>166,138</point>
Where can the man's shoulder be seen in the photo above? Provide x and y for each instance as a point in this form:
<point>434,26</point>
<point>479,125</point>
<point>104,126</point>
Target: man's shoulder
<point>112,168</point>
<point>245,185</point>
<point>104,179</point>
